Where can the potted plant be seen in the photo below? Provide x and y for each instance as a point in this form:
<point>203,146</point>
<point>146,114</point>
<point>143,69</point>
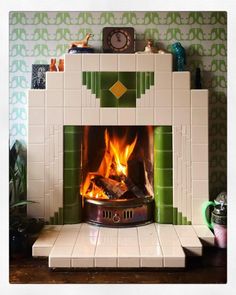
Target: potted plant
<point>21,226</point>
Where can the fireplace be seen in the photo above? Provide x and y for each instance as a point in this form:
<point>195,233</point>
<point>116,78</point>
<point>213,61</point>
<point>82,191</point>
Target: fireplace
<point>101,96</point>
<point>116,183</point>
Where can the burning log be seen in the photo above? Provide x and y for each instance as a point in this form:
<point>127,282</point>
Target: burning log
<point>112,188</point>
<point>133,187</point>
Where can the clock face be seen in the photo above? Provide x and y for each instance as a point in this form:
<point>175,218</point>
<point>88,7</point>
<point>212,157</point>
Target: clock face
<point>118,40</point>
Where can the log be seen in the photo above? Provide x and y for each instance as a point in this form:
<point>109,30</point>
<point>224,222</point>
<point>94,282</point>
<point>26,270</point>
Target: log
<point>112,188</point>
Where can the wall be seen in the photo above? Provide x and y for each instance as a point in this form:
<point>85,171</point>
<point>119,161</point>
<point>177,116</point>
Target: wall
<point>35,37</point>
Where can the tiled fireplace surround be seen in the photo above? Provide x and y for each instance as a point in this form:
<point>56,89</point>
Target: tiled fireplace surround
<point>161,98</point>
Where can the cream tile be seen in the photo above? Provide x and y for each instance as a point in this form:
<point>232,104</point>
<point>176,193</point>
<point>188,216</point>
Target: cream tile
<point>127,241</point>
<point>72,98</point>
<point>106,256</point>
<point>68,228</point>
<point>167,235</point>
<point>151,256</point>
<point>181,116</point>
<point>86,240</point>
<point>181,98</point>
<point>126,63</point>
<point>147,230</point>
<point>205,235</point>
<point>144,116</point>
<point>107,240</point>
<point>36,210</point>
<point>181,80</point>
<point>128,256</point>
<point>54,98</point>
<point>35,170</point>
<point>145,62</point>
<point>41,251</point>
<point>163,62</point>
<point>36,116</point>
<point>199,134</point>
<point>173,256</point>
<point>54,80</point>
<point>163,98</point>
<point>88,230</point>
<point>73,80</point>
<point>162,116</point>
<point>60,256</point>
<point>199,116</point>
<point>90,62</point>
<point>126,116</point>
<point>83,251</point>
<point>163,80</point>
<point>66,239</point>
<point>197,217</point>
<point>36,98</point>
<point>72,116</point>
<point>200,170</point>
<point>36,134</point>
<point>108,116</point>
<point>90,116</point>
<point>200,188</point>
<point>73,62</point>
<point>200,152</point>
<point>199,98</point>
<point>35,153</point>
<point>108,62</point>
<point>82,262</point>
<point>108,232</point>
<point>128,232</point>
<point>35,189</point>
<point>54,116</point>
<point>148,240</point>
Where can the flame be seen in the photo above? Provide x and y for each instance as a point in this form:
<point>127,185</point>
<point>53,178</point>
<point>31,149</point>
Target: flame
<point>114,163</point>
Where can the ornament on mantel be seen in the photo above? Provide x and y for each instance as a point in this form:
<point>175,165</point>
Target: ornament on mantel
<point>180,56</point>
<point>81,46</point>
<point>149,48</point>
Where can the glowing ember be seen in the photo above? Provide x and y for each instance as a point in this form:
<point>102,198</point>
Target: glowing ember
<point>114,165</point>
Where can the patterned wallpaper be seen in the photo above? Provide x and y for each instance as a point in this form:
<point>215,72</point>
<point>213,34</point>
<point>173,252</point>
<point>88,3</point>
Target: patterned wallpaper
<point>35,37</point>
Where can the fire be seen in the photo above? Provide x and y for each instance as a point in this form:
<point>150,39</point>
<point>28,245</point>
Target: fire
<point>113,165</point>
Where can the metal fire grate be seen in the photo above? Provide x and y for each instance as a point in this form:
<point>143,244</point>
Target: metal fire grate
<point>119,213</point>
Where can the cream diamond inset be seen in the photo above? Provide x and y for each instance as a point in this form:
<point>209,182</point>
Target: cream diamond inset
<point>118,89</point>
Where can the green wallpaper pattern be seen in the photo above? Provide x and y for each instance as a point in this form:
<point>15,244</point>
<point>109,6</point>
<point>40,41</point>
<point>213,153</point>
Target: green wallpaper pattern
<point>35,37</point>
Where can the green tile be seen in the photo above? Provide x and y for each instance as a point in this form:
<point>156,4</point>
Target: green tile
<point>163,177</point>
<point>138,87</point>
<point>108,99</point>
<point>163,141</point>
<point>179,218</point>
<point>88,80</point>
<point>60,216</point>
<point>163,129</point>
<point>165,214</point>
<point>71,159</point>
<point>128,99</point>
<point>164,195</point>
<point>128,79</point>
<point>72,213</point>
<point>51,220</point>
<point>184,220</point>
<point>73,129</point>
<point>162,159</point>
<point>56,218</point>
<point>71,195</point>
<point>147,80</point>
<point>72,177</point>
<point>189,223</point>
<point>152,78</point>
<point>98,84</point>
<point>142,82</point>
<point>108,79</point>
<point>174,215</point>
<point>84,78</point>
<point>72,141</point>
<point>93,82</point>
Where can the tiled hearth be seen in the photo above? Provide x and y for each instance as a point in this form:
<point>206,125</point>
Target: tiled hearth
<point>154,245</point>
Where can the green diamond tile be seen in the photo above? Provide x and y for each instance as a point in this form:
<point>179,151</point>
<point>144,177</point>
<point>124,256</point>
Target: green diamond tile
<point>128,79</point>
<point>108,79</point>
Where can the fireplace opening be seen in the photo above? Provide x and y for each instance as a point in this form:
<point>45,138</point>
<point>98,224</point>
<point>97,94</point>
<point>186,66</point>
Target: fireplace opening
<point>117,175</point>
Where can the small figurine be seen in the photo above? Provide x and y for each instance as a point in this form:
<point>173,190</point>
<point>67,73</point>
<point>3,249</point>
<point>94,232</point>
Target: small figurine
<point>61,65</point>
<point>82,43</point>
<point>149,48</point>
<point>53,66</point>
<point>180,56</point>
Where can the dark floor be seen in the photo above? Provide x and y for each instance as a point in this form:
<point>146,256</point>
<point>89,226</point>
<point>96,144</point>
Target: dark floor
<point>210,268</point>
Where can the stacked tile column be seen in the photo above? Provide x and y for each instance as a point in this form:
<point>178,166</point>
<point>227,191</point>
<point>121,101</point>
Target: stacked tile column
<point>163,190</point>
<point>72,174</point>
